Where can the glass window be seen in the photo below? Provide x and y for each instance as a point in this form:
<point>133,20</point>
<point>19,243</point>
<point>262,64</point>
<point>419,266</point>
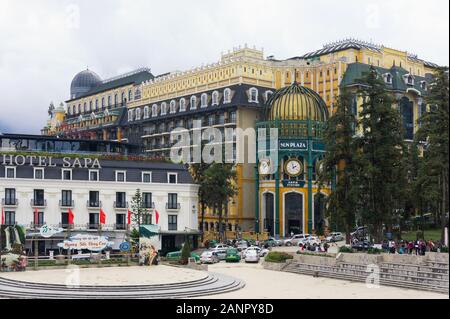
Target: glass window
<point>10,172</point>
<point>93,220</point>
<point>93,176</point>
<point>227,96</point>
<point>146,177</point>
<point>66,198</point>
<point>64,220</point>
<point>172,178</point>
<point>204,100</point>
<point>94,199</point>
<point>182,105</point>
<point>173,201</point>
<point>10,196</point>
<point>120,221</point>
<point>10,218</point>
<point>121,200</point>
<point>147,219</point>
<point>173,219</point>
<point>66,174</point>
<point>38,173</point>
<point>193,103</point>
<point>147,200</point>
<point>120,177</point>
<point>38,197</point>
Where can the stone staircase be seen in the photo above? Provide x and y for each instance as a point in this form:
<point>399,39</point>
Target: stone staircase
<point>430,276</point>
<point>211,284</point>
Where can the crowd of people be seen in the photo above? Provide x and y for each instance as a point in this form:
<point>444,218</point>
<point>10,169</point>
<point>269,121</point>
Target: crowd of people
<point>417,247</point>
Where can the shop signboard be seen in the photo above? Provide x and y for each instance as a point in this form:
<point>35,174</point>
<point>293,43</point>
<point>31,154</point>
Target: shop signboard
<point>88,242</point>
<point>48,231</point>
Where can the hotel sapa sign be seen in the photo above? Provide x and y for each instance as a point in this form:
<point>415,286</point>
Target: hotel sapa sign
<point>88,242</point>
<point>48,161</point>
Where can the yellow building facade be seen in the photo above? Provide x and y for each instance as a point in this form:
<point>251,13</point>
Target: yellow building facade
<point>141,108</point>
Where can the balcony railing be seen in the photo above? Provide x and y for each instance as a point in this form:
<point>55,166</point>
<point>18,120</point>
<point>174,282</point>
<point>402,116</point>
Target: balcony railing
<point>93,204</point>
<point>12,202</point>
<point>120,205</point>
<point>173,206</point>
<point>148,205</point>
<point>38,203</point>
<point>67,203</point>
<point>120,226</point>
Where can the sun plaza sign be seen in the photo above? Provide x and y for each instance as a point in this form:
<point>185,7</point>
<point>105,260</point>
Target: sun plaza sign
<point>48,161</point>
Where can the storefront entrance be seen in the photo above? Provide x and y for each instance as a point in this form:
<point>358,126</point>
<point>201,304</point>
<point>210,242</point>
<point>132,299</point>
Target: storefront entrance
<point>293,213</point>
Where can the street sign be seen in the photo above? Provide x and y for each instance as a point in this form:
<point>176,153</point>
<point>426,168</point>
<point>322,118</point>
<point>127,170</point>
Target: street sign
<point>125,246</point>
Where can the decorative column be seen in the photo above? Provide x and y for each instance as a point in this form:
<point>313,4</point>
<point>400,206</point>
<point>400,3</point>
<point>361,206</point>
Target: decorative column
<point>310,170</point>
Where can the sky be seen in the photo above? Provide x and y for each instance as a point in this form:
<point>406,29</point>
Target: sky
<point>45,43</point>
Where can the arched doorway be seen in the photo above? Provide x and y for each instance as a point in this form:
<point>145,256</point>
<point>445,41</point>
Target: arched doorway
<point>269,213</point>
<point>293,213</point>
<point>319,213</point>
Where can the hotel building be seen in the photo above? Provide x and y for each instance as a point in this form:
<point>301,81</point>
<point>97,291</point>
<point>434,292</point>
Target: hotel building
<point>39,188</point>
<point>140,108</point>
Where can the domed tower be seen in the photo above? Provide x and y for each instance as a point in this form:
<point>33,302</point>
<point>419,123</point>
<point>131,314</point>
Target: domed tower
<point>83,82</point>
<point>288,201</point>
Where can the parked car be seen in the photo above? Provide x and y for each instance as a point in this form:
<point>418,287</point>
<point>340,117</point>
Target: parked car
<point>221,251</point>
<point>311,240</point>
<point>241,245</point>
<point>232,255</point>
<point>251,255</point>
<point>272,242</point>
<point>176,255</point>
<point>209,257</point>
<point>296,239</point>
<point>334,237</point>
<point>260,251</point>
<point>361,245</point>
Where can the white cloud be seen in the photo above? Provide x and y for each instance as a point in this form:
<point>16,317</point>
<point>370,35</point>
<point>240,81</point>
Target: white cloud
<point>44,44</point>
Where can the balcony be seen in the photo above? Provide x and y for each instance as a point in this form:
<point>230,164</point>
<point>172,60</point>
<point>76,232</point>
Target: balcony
<point>66,203</point>
<point>93,204</point>
<point>121,205</point>
<point>33,225</point>
<point>10,202</point>
<point>173,206</point>
<point>38,203</point>
<point>148,205</point>
<point>120,226</point>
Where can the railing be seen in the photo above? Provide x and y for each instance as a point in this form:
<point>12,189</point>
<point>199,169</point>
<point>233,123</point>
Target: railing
<point>10,202</point>
<point>173,206</point>
<point>66,203</point>
<point>148,205</point>
<point>38,203</point>
<point>120,226</point>
<point>93,204</point>
<point>120,205</point>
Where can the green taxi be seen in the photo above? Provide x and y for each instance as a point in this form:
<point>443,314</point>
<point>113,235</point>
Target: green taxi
<point>232,255</point>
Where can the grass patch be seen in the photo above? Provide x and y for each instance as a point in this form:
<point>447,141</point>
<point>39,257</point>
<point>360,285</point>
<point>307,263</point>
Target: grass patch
<point>277,257</point>
<point>433,234</point>
<point>345,249</point>
<point>312,254</point>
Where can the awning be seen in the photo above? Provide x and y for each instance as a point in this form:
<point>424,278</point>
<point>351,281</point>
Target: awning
<point>180,232</point>
<point>149,230</point>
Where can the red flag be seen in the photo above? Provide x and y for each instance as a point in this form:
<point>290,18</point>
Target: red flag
<point>157,216</point>
<point>129,218</point>
<point>102,217</point>
<point>36,216</point>
<point>71,217</point>
<point>3,217</point>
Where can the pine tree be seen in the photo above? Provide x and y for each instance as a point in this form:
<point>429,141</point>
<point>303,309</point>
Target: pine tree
<point>379,155</point>
<point>434,133</point>
<point>339,141</point>
<point>137,206</point>
<point>198,174</point>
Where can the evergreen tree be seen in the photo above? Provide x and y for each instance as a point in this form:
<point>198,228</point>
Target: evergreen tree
<point>379,156</point>
<point>434,133</point>
<point>339,141</point>
<point>198,175</point>
<point>138,208</point>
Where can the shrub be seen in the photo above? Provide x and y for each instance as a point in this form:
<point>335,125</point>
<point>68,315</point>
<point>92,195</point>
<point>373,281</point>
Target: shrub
<point>345,249</point>
<point>374,251</point>
<point>185,253</point>
<point>277,257</point>
<point>444,249</point>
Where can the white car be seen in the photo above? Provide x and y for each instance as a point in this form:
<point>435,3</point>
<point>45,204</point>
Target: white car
<point>334,237</point>
<point>296,239</point>
<point>312,240</point>
<point>260,251</point>
<point>209,257</point>
<point>221,252</point>
<point>251,255</point>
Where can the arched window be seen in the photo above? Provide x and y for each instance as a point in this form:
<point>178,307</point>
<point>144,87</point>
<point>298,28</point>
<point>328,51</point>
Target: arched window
<point>146,109</point>
<point>268,94</point>
<point>138,114</point>
<point>96,104</point>
<point>103,103</point>
<point>84,107</point>
<point>137,94</point>
<point>90,105</point>
<point>109,101</point>
<point>163,108</point>
<point>123,97</point>
<point>410,80</point>
<point>130,115</point>
<point>182,105</point>
<point>173,107</point>
<point>204,100</point>
<point>193,102</point>
<point>74,109</point>
<point>130,95</point>
<point>215,98</point>
<point>154,110</point>
<point>253,95</point>
<point>116,101</point>
<point>423,85</point>
<point>227,96</point>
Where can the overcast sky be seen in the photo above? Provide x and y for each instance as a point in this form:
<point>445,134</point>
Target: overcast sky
<point>43,44</point>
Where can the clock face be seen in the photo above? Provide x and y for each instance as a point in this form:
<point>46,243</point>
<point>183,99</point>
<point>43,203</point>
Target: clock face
<point>264,167</point>
<point>294,167</point>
